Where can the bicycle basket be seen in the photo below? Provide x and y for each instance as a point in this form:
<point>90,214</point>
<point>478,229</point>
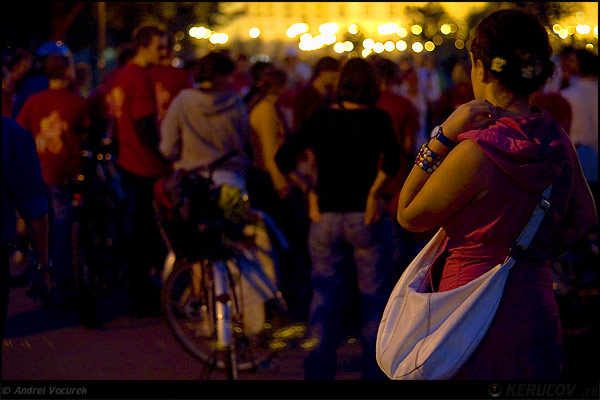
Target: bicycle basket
<point>192,216</point>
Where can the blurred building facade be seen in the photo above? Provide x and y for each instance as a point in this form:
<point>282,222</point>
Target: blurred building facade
<point>263,26</point>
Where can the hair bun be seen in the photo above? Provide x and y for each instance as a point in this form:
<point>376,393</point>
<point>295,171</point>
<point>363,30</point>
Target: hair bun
<point>531,65</point>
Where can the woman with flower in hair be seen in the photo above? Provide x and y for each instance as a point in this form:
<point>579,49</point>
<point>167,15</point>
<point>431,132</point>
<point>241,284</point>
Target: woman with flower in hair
<point>480,178</point>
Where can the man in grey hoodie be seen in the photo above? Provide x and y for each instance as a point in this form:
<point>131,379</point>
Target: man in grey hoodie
<point>202,125</point>
<point>205,123</point>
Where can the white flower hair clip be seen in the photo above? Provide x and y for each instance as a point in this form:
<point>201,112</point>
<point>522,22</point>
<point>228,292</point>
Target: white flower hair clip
<point>498,64</point>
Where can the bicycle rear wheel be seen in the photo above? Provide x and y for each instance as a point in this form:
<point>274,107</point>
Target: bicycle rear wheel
<point>189,303</point>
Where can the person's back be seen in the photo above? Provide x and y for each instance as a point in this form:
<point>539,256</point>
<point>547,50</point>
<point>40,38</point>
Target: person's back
<point>347,144</point>
<point>58,118</point>
<point>209,125</point>
<point>410,90</point>
<point>480,178</point>
<point>583,97</point>
<point>35,79</point>
<point>204,124</point>
<point>22,191</point>
<point>349,227</point>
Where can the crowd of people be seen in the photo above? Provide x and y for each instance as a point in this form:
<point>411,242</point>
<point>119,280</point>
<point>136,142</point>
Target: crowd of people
<point>326,149</point>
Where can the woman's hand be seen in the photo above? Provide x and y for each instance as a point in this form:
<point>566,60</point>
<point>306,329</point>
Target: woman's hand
<point>374,209</point>
<point>472,115</point>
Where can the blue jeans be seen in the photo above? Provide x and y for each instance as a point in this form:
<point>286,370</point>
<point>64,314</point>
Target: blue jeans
<point>334,242</point>
<point>60,245</point>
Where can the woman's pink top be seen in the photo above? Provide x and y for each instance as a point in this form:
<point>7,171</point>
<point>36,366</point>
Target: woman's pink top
<point>531,152</point>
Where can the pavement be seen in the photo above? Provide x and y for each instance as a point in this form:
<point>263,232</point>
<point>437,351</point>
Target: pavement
<point>49,344</point>
<point>45,349</point>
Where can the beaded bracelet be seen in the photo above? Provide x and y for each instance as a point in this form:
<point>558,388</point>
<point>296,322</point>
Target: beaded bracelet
<point>428,160</point>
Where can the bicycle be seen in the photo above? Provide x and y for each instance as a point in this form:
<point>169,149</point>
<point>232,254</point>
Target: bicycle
<point>99,207</point>
<point>217,264</point>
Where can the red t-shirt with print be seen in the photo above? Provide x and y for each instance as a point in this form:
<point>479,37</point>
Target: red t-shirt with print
<point>56,118</point>
<point>168,81</point>
<point>133,99</point>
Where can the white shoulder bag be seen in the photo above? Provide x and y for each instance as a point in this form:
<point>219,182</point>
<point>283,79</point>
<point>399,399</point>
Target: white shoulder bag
<point>425,335</point>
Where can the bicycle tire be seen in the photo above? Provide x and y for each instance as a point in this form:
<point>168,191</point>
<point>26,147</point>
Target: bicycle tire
<point>187,326</point>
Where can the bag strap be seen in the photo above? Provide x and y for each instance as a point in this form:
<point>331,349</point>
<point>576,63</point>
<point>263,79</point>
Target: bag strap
<point>528,233</point>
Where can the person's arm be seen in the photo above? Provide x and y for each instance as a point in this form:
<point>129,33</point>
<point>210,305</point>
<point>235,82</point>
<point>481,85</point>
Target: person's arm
<point>427,200</point>
<point>287,156</point>
<point>390,165</point>
<point>375,203</point>
<point>22,117</point>
<point>170,133</point>
<point>147,132</point>
<point>29,192</point>
<point>144,114</point>
<point>265,123</point>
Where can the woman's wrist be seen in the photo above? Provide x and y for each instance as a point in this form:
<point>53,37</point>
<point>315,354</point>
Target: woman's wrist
<point>448,131</point>
<point>437,147</point>
<point>438,134</point>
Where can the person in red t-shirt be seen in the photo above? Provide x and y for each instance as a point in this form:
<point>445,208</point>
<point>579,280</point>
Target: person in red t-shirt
<point>168,80</point>
<point>58,120</point>
<point>140,164</point>
<point>102,102</point>
<point>405,121</point>
<point>318,92</point>
<point>459,92</point>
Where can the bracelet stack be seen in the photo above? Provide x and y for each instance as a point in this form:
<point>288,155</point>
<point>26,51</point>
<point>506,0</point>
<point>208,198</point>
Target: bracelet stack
<point>428,160</point>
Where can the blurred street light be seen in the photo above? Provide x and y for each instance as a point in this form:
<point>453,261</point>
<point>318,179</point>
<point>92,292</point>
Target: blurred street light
<point>254,33</point>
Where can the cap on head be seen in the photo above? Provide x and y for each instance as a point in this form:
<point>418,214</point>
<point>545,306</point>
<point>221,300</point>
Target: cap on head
<point>48,48</point>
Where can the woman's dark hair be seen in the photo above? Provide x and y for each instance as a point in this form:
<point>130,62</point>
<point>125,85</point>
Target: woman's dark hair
<point>387,70</point>
<point>213,65</point>
<point>257,69</point>
<point>325,64</point>
<point>271,78</point>
<point>514,47</point>
<point>358,83</point>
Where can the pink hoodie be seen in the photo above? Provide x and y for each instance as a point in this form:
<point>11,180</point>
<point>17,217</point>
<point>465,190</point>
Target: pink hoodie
<point>531,152</point>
